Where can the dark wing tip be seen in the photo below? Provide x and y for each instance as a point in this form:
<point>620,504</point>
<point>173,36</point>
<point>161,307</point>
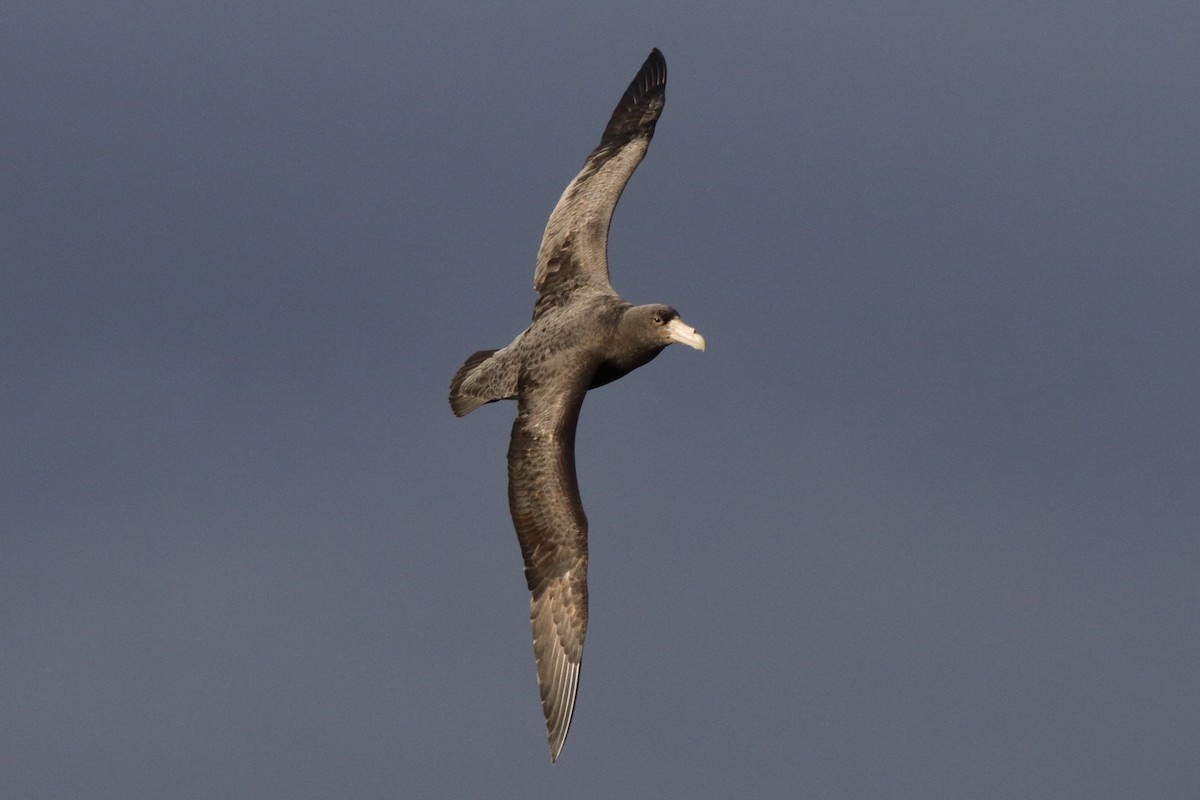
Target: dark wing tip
<point>639,107</point>
<point>558,613</point>
<point>655,65</point>
<point>559,710</point>
<point>650,79</point>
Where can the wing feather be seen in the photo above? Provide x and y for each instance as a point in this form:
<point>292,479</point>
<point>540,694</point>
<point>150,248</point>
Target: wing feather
<point>543,496</point>
<point>574,246</point>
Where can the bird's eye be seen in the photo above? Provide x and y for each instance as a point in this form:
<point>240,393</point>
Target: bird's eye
<point>658,320</point>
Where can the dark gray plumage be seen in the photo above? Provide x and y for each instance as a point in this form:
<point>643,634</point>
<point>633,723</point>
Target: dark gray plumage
<point>583,335</point>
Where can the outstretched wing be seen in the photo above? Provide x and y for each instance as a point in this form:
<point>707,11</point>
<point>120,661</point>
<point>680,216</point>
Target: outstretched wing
<point>543,496</point>
<point>574,246</point>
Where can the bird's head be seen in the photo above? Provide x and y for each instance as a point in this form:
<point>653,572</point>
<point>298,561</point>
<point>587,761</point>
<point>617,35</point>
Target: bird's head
<point>659,326</point>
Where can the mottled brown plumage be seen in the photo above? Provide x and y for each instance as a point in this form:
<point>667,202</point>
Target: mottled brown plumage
<point>583,335</point>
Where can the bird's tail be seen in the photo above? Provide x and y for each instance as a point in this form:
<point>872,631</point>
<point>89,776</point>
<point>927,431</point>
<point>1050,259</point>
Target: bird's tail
<point>465,396</point>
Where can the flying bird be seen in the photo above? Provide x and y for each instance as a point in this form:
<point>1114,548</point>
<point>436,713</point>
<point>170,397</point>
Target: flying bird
<point>583,335</point>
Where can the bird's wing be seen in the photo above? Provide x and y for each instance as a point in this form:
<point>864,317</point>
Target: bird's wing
<point>574,247</point>
<point>543,496</point>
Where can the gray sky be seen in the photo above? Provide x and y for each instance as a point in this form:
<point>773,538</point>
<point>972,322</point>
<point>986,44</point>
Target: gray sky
<point>921,523</point>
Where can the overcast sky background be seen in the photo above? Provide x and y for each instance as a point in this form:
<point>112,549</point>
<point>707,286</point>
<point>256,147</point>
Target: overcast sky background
<point>921,523</point>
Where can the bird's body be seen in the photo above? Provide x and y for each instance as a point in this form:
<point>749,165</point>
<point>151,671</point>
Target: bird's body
<point>583,335</point>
